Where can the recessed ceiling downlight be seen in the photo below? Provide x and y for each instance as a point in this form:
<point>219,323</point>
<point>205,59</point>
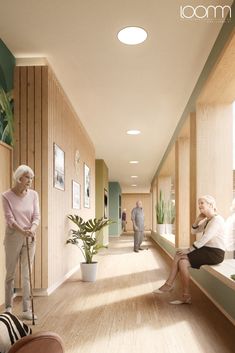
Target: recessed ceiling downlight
<point>133,185</point>
<point>133,132</point>
<point>134,162</point>
<point>132,35</point>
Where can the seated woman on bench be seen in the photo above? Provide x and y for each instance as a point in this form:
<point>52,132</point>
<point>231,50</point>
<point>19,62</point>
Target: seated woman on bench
<point>209,250</point>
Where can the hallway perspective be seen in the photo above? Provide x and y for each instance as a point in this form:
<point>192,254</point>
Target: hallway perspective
<point>119,313</point>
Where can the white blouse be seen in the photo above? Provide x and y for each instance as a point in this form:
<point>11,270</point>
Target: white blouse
<point>213,234</point>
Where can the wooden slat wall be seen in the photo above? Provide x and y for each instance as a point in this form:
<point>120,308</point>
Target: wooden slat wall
<point>44,116</point>
<point>5,184</point>
<point>27,136</point>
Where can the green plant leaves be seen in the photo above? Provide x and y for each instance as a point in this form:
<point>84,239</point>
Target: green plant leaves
<point>160,209</point>
<point>86,237</point>
<point>6,117</point>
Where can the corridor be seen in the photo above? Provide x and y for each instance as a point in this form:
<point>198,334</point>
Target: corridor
<point>120,314</point>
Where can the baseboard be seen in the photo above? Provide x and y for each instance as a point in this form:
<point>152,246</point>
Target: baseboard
<point>43,292</point>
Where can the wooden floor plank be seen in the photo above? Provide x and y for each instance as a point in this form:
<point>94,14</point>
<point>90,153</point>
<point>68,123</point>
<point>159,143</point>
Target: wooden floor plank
<point>120,314</point>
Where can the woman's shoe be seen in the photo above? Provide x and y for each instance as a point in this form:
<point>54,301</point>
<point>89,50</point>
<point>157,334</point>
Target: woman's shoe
<point>186,299</point>
<point>8,310</point>
<point>28,315</point>
<point>164,289</point>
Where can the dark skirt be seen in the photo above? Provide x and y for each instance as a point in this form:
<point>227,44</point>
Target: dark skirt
<point>205,256</point>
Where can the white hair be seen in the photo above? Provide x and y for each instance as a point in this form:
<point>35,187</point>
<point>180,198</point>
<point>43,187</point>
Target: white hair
<point>210,200</point>
<point>20,171</point>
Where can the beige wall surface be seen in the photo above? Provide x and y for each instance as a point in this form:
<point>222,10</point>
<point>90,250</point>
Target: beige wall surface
<point>129,202</point>
<point>66,131</point>
<point>5,180</point>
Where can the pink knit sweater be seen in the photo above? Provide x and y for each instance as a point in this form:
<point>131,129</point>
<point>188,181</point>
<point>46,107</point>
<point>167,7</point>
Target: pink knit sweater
<point>23,211</point>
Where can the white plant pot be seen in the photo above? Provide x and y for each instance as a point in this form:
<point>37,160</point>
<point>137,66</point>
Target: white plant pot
<point>168,228</point>
<point>161,229</point>
<point>89,271</point>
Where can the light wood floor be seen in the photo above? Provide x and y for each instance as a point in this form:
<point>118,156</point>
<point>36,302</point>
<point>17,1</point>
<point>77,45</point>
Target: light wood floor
<point>120,314</point>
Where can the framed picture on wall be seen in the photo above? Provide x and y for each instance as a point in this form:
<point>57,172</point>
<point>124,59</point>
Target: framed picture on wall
<point>105,203</point>
<point>120,207</point>
<point>76,195</point>
<point>87,186</point>
<point>59,159</point>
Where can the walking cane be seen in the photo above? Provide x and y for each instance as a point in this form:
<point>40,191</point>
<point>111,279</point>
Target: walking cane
<point>30,280</point>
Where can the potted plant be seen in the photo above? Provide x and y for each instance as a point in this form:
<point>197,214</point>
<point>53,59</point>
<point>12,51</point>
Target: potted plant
<point>86,238</point>
<point>170,216</point>
<point>160,213</point>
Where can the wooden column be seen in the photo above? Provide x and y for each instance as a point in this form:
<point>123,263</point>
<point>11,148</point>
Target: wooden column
<point>192,173</point>
<point>215,154</point>
<point>182,192</point>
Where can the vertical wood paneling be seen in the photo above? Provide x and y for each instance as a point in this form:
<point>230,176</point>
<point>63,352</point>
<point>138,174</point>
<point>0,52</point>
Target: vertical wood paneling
<point>45,116</point>
<point>30,118</point>
<point>193,173</point>
<point>38,169</point>
<point>44,200</point>
<point>17,143</point>
<point>30,127</point>
<point>23,115</point>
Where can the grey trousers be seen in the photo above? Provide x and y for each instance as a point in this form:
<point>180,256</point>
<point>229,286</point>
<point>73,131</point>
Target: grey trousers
<point>138,238</point>
<point>15,248</point>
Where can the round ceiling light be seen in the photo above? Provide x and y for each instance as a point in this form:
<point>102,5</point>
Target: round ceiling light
<point>133,185</point>
<point>134,176</point>
<point>134,162</point>
<point>132,35</point>
<point>133,132</point>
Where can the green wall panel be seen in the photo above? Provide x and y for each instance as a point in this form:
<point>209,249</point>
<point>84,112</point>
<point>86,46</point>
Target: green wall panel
<point>115,193</point>
<point>7,64</point>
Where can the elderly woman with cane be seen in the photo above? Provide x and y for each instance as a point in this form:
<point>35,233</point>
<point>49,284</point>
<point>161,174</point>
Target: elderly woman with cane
<point>21,209</point>
<point>209,250</point>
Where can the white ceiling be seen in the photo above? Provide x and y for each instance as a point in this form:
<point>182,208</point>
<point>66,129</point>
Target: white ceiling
<point>114,87</point>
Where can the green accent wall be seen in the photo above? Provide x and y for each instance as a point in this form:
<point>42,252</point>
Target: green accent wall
<point>101,184</point>
<point>115,193</point>
<point>7,64</point>
<point>222,294</point>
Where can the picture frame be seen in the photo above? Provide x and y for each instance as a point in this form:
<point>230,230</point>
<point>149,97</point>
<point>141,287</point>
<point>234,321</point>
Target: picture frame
<point>76,195</point>
<point>59,167</point>
<point>87,186</point>
<point>105,204</point>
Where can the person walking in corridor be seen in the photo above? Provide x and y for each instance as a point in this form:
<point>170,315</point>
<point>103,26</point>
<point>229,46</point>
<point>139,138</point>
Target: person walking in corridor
<point>137,217</point>
<point>124,220</point>
<point>21,210</point>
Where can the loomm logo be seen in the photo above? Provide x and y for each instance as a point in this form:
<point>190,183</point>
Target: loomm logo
<point>201,12</point>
